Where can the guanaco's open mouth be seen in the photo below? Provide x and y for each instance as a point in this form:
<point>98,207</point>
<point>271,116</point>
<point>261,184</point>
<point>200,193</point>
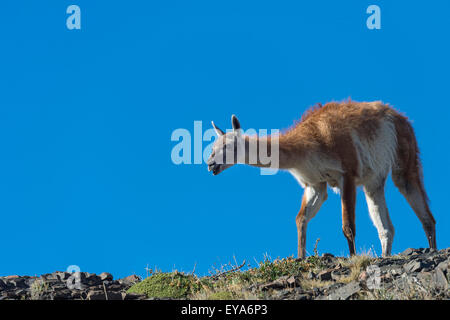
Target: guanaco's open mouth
<point>214,167</point>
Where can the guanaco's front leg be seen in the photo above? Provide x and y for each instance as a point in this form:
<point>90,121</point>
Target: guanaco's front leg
<point>313,198</point>
<point>348,199</point>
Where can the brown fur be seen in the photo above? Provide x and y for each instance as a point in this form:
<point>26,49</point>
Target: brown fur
<point>327,128</point>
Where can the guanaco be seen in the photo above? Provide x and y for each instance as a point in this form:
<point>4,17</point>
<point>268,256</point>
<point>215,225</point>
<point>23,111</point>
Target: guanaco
<point>343,145</point>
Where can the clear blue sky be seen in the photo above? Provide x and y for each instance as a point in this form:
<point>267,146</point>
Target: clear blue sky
<point>86,117</point>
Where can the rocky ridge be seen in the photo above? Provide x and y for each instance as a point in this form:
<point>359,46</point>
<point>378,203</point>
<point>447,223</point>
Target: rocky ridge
<point>68,286</point>
<point>413,274</point>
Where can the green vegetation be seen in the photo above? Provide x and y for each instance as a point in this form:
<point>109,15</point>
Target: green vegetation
<point>225,286</point>
<point>271,270</point>
<point>38,289</point>
<point>221,295</point>
<point>174,285</point>
<point>236,283</point>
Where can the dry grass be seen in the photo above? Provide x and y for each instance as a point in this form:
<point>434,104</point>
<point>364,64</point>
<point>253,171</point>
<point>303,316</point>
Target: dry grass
<point>408,289</point>
<point>310,284</point>
<point>229,287</point>
<point>357,264</point>
<point>231,283</point>
<point>38,289</point>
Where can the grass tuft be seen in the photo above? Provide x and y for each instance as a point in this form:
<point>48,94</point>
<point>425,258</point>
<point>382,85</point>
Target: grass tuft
<point>173,285</point>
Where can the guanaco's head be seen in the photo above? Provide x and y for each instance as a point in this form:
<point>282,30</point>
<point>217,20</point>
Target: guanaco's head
<point>225,149</point>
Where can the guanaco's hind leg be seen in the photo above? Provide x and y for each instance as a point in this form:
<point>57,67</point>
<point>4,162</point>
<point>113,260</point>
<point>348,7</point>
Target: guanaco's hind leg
<point>348,200</point>
<point>313,198</point>
<point>416,197</point>
<point>407,176</point>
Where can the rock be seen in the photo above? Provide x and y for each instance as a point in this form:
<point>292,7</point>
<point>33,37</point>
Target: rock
<point>96,295</point>
<point>402,283</point>
<point>327,255</point>
<point>363,276</point>
<point>115,286</point>
<point>331,288</point>
<point>325,275</point>
<point>282,294</point>
<point>100,295</point>
<point>443,266</point>
<point>311,275</point>
<point>407,252</point>
<point>130,280</point>
<point>64,294</point>
<point>439,280</point>
<point>79,295</point>
<point>111,295</point>
<point>345,292</point>
<point>18,282</point>
<point>50,276</point>
<point>293,281</point>
<point>413,266</point>
<point>90,279</point>
<point>20,293</point>
<point>133,296</point>
<point>426,269</point>
<point>54,286</point>
<point>63,276</point>
<point>279,283</point>
<point>316,292</point>
<point>395,271</point>
<point>340,273</point>
<point>10,295</point>
<point>303,297</point>
<point>105,276</point>
<point>3,285</point>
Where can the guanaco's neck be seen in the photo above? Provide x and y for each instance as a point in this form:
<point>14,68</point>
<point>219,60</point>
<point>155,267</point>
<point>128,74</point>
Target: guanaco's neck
<point>268,152</point>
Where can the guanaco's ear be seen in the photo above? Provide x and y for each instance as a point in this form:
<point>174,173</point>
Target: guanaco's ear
<point>218,131</point>
<point>235,123</point>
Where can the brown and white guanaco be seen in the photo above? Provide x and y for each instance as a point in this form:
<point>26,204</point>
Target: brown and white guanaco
<point>344,145</point>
